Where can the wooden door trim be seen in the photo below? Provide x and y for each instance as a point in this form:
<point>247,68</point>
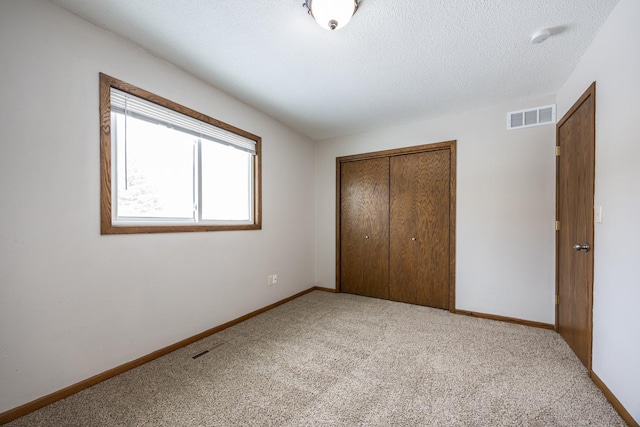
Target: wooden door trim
<point>452,228</point>
<point>590,92</point>
<point>445,145</point>
<point>397,151</point>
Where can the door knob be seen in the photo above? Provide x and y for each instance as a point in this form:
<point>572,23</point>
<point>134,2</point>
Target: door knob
<point>414,239</point>
<point>584,247</point>
<point>366,237</point>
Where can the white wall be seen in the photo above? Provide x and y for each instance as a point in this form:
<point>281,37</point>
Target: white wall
<point>613,61</point>
<point>505,207</point>
<point>74,303</point>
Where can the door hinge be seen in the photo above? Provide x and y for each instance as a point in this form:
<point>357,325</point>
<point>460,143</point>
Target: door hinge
<point>557,225</point>
<point>557,150</point>
<point>557,299</point>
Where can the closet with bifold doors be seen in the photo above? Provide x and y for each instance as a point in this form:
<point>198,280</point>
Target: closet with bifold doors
<point>396,224</point>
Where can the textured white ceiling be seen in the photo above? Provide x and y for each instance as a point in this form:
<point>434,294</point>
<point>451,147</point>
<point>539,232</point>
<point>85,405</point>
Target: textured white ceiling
<point>396,61</point>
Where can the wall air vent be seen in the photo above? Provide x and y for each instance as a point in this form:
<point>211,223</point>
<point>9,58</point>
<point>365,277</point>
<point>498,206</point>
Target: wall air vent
<point>533,117</point>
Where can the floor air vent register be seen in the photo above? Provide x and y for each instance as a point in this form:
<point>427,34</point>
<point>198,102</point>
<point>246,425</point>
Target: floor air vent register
<point>203,352</point>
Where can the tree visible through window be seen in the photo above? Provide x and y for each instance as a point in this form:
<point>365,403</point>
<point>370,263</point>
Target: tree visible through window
<point>168,168</point>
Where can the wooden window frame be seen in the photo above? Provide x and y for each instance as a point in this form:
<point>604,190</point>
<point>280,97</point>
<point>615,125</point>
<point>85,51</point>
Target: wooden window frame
<point>106,224</point>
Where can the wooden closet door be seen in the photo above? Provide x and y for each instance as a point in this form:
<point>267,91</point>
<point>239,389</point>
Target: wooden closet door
<point>364,227</point>
<point>419,236</point>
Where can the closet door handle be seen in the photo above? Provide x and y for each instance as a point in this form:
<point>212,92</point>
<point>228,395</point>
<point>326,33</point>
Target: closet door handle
<point>414,239</point>
<point>366,237</point>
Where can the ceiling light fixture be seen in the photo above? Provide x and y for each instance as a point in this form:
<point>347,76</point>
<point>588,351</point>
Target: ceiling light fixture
<point>331,14</point>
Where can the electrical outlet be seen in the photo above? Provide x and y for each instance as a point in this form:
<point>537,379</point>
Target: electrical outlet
<point>272,279</point>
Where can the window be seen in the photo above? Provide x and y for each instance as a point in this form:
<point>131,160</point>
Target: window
<point>167,168</point>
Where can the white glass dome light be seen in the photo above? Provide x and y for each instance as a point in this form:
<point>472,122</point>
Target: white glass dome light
<point>332,14</point>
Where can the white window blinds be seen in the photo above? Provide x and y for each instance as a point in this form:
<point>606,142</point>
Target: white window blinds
<point>127,104</point>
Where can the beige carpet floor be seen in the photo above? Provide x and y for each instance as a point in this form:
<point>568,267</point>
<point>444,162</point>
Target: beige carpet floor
<point>337,359</point>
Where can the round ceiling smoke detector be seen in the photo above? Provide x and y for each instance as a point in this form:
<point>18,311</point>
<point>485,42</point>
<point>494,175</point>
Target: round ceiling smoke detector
<point>540,36</point>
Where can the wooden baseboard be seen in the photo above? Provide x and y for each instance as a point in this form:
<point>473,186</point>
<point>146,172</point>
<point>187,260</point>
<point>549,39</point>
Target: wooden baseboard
<point>34,405</point>
<point>323,289</point>
<point>506,319</point>
<point>29,407</point>
<point>626,416</point>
